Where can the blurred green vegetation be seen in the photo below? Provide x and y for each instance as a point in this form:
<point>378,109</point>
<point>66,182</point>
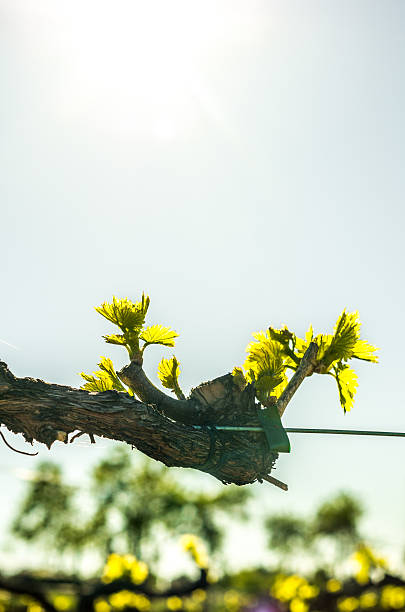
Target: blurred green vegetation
<point>327,537</point>
<point>127,507</point>
<point>132,506</point>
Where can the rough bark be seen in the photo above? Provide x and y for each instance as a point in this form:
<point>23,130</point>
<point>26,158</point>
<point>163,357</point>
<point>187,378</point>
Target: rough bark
<point>159,425</point>
<point>48,412</point>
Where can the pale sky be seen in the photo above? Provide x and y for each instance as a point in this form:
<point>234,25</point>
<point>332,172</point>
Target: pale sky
<point>240,161</point>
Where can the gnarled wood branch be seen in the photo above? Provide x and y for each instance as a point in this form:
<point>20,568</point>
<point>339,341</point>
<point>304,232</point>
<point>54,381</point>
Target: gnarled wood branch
<point>158,425</point>
<point>48,412</point>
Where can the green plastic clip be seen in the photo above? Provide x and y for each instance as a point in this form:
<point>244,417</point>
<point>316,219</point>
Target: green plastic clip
<point>276,435</point>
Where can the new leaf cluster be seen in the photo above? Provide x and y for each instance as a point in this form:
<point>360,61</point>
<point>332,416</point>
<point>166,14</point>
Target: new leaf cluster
<point>135,337</point>
<point>270,355</point>
<point>276,351</point>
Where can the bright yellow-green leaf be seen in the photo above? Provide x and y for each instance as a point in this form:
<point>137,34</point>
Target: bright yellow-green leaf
<point>157,334</point>
<point>345,342</point>
<point>345,336</point>
<point>115,339</point>
<point>129,316</point>
<point>87,377</point>
<point>104,379</point>
<point>270,383</point>
<point>130,340</point>
<point>265,363</point>
<point>272,352</point>
<point>168,372</point>
<point>259,336</point>
<point>281,335</point>
<point>288,341</point>
<point>309,334</point>
<point>98,383</point>
<point>302,344</point>
<point>107,366</point>
<point>346,379</point>
<point>263,350</point>
<point>364,350</point>
<point>324,342</point>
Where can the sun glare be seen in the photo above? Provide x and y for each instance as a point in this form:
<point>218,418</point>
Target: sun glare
<point>143,67</point>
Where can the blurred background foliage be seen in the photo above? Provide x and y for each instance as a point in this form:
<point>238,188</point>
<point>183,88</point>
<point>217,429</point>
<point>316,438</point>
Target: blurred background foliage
<point>128,507</point>
<point>132,507</point>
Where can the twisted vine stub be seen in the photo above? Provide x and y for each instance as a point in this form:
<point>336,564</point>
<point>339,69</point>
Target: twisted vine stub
<point>306,368</point>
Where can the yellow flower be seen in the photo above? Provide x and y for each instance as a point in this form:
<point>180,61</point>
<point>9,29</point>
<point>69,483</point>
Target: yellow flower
<point>285,588</point>
<point>128,561</point>
<point>333,585</point>
<point>365,560</point>
<point>100,605</point>
<point>393,597</point>
<point>120,600</point>
<point>140,601</point>
<point>174,603</point>
<point>199,595</point>
<point>114,568</point>
<point>232,600</point>
<point>348,604</point>
<point>139,572</point>
<point>120,565</point>
<point>308,591</point>
<point>298,605</point>
<point>368,600</point>
<point>62,602</point>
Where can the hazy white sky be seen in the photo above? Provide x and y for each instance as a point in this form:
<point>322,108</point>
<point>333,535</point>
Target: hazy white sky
<point>242,162</point>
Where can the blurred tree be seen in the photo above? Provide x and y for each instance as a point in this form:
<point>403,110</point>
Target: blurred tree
<point>337,520</point>
<point>287,532</point>
<point>47,512</point>
<point>135,503</point>
<point>131,504</point>
<point>334,524</point>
